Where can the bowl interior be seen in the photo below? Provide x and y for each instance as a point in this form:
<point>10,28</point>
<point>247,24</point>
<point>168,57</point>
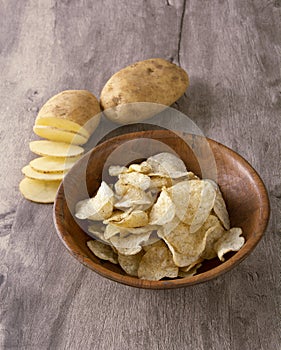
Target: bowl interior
<point>245,195</point>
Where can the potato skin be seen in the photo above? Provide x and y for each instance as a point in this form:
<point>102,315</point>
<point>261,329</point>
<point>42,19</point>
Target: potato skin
<point>77,106</point>
<point>154,81</point>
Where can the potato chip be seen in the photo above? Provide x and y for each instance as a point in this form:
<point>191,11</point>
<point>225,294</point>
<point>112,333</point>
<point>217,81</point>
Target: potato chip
<point>97,233</point>
<point>129,218</point>
<point>110,231</point>
<point>230,241</point>
<point>138,230</point>
<point>130,263</point>
<point>157,263</point>
<point>191,266</point>
<point>186,196</point>
<point>135,179</point>
<point>143,168</point>
<point>99,207</point>
<point>130,244</point>
<point>153,241</point>
<point>133,197</point>
<point>103,251</point>
<point>212,234</point>
<point>116,170</point>
<point>190,272</point>
<point>163,211</point>
<point>158,181</point>
<point>167,163</point>
<point>207,201</point>
<point>186,247</point>
<point>220,210</point>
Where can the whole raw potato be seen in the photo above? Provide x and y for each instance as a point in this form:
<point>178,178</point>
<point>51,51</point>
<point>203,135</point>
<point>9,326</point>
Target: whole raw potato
<point>142,90</point>
<point>76,111</point>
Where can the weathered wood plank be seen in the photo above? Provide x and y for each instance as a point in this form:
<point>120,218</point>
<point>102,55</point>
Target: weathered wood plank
<point>231,50</point>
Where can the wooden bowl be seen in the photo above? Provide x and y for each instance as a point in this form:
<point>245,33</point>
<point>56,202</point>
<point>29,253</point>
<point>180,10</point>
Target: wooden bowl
<point>243,190</point>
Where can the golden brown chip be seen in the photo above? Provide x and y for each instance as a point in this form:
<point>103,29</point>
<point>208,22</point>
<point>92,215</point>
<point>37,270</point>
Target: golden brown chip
<point>103,251</point>
<point>143,168</point>
<point>157,263</point>
<point>130,263</point>
<point>231,241</point>
<point>135,179</point>
<point>136,218</point>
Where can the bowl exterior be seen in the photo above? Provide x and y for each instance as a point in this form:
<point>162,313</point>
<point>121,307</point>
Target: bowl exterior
<point>245,194</point>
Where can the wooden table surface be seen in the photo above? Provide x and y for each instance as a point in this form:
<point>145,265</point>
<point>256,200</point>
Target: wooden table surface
<point>231,50</point>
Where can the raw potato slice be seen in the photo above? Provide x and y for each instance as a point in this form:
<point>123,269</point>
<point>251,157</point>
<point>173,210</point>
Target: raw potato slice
<point>72,110</point>
<point>103,251</point>
<point>55,149</point>
<point>52,165</point>
<point>59,135</point>
<point>36,175</point>
<point>39,191</point>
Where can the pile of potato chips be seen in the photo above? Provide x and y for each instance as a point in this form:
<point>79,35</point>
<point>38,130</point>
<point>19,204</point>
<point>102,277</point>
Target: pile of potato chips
<point>159,220</point>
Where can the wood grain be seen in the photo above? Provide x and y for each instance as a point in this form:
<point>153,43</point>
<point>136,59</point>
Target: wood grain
<point>245,195</point>
<point>231,50</point>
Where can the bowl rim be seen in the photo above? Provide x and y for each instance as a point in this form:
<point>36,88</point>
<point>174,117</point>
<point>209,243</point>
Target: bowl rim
<point>224,267</point>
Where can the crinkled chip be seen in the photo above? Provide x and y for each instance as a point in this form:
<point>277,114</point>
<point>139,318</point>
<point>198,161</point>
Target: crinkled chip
<point>220,210</point>
<point>97,208</point>
<point>185,246</point>
<point>212,235</point>
<point>130,263</point>
<point>111,230</point>
<point>97,234</point>
<point>130,244</point>
<point>144,168</point>
<point>103,251</point>
<point>190,272</point>
<point>191,266</point>
<point>186,197</point>
<point>158,181</point>
<point>133,197</point>
<point>136,218</point>
<point>231,241</point>
<point>207,201</point>
<point>163,211</point>
<point>116,170</point>
<point>135,179</point>
<point>157,263</point>
<point>167,163</point>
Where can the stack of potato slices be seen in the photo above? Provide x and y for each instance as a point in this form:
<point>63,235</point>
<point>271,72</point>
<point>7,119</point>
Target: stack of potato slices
<point>66,120</point>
